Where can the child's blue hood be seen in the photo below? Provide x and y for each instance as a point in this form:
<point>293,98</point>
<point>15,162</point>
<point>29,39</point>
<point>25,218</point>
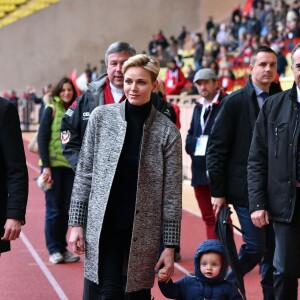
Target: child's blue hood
<point>207,246</point>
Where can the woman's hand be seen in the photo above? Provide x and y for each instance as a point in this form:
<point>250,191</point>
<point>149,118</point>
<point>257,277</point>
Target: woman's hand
<point>47,175</point>
<point>162,275</point>
<point>77,240</point>
<point>166,258</point>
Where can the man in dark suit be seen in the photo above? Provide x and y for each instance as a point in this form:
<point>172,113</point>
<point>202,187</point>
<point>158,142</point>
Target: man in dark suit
<point>13,176</point>
<point>227,159</point>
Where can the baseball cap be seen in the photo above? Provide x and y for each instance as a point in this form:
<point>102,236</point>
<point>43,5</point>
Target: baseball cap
<point>205,74</point>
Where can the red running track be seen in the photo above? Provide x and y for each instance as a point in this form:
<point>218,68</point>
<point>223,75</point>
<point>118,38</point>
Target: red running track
<point>26,273</point>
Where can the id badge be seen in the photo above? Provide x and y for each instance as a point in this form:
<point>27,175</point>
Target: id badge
<point>170,83</point>
<point>201,145</point>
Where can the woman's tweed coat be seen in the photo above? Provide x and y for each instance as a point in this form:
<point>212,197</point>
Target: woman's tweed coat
<point>159,189</point>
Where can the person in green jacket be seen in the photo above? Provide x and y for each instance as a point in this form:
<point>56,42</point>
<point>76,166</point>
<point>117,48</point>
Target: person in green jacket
<point>56,171</point>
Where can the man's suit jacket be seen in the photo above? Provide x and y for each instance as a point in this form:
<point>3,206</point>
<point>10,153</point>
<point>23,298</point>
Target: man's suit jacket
<point>13,169</point>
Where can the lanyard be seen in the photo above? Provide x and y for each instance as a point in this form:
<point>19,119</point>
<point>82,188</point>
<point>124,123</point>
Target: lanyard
<point>202,122</point>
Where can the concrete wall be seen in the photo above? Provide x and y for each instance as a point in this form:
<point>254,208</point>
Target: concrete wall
<point>46,45</point>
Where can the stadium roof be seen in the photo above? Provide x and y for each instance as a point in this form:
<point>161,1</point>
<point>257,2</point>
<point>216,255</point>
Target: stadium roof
<point>13,10</point>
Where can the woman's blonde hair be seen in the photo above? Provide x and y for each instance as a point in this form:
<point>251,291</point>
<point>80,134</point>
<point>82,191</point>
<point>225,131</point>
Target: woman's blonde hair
<point>145,61</point>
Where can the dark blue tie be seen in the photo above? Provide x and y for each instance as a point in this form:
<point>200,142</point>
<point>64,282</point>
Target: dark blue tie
<point>264,95</point>
<point>206,113</point>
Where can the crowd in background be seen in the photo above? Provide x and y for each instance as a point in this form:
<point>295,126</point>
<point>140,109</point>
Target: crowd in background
<point>225,47</point>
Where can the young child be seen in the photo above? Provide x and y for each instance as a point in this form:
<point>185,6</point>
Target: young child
<point>208,282</point>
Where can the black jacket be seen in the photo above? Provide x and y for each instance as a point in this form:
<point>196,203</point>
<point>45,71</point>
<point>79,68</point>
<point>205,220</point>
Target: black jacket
<point>229,144</point>
<point>199,162</point>
<point>13,169</point>
<point>75,120</point>
<point>272,157</point>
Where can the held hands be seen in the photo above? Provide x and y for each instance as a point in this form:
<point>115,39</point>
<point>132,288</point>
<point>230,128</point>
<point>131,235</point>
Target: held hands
<point>166,258</point>
<point>217,203</point>
<point>260,218</point>
<point>12,229</point>
<point>162,275</point>
<point>77,240</point>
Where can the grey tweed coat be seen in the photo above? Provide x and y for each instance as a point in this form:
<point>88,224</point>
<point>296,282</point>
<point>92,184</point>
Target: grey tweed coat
<point>159,189</point>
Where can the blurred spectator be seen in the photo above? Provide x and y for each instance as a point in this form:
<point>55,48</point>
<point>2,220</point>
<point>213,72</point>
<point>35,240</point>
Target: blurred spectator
<point>259,12</point>
<point>102,67</point>
<point>88,72</point>
<point>235,27</point>
<point>182,36</point>
<point>227,80</point>
<point>152,46</point>
<point>281,60</point>
<point>292,25</point>
<point>215,67</point>
<point>253,25</point>
<point>5,95</point>
<point>179,61</point>
<point>173,47</point>
<point>162,40</point>
<point>268,19</point>
<point>189,86</point>
<point>296,7</point>
<point>210,26</point>
<point>263,41</point>
<point>161,91</point>
<point>14,98</point>
<point>45,91</point>
<point>174,80</point>
<point>199,51</point>
<point>223,35</point>
<point>94,73</point>
<point>280,11</point>
<point>190,73</point>
<point>236,12</point>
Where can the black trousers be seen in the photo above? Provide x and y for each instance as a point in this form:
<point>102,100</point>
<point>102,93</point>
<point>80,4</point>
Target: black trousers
<point>114,254</point>
<point>287,256</point>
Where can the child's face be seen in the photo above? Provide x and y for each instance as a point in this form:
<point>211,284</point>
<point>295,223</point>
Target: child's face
<point>210,264</point>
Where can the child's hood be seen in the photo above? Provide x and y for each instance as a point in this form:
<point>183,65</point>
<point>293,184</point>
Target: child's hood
<point>207,246</point>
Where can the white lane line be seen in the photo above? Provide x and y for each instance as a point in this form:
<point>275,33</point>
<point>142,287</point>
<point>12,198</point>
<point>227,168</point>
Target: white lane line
<point>33,167</point>
<point>182,269</point>
<point>38,259</point>
<point>44,269</point>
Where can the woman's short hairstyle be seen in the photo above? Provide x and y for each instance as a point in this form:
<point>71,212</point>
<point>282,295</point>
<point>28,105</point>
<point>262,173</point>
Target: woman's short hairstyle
<point>145,61</point>
<point>59,86</point>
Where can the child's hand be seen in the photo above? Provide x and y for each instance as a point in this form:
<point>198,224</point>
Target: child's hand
<point>162,275</point>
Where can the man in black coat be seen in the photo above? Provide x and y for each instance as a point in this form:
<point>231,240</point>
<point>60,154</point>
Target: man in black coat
<point>227,158</point>
<point>106,89</point>
<point>13,176</point>
<point>274,181</point>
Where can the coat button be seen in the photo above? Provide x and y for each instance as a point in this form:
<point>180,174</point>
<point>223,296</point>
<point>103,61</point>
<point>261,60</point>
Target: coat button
<point>137,211</point>
<point>135,239</point>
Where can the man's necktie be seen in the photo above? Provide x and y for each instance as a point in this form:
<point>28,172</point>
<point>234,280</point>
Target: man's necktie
<point>206,113</point>
<point>264,95</point>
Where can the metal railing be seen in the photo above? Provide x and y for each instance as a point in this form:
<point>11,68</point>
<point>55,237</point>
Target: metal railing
<point>28,114</point>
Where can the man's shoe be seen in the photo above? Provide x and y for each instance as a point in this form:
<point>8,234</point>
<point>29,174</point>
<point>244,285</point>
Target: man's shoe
<point>68,257</point>
<point>56,258</point>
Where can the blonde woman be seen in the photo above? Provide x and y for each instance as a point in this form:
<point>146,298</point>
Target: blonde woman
<point>127,191</point>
